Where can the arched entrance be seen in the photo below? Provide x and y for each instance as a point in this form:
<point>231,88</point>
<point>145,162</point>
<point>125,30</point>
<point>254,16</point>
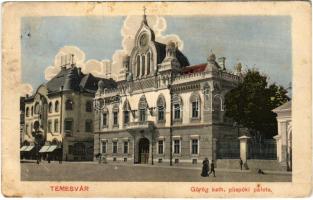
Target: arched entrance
<point>143,150</point>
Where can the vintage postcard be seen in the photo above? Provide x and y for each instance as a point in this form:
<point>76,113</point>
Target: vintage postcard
<point>156,99</point>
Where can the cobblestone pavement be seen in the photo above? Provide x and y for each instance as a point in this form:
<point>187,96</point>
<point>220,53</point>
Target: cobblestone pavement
<point>84,171</point>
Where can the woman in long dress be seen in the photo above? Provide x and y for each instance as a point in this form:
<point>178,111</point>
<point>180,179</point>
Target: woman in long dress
<point>205,167</point>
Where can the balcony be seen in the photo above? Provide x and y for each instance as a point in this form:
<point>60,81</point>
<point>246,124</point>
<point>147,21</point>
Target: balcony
<point>140,125</point>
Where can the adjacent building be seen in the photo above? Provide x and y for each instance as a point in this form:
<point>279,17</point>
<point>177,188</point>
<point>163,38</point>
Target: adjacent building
<point>63,110</point>
<point>284,137</point>
<point>164,110</point>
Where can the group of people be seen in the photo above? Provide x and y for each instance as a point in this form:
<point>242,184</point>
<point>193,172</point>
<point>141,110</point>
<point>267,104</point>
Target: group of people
<point>205,168</point>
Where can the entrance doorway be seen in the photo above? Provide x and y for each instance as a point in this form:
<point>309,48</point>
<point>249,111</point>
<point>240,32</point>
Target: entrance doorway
<point>143,151</point>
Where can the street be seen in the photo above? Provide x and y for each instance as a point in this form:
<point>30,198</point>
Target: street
<point>91,171</point>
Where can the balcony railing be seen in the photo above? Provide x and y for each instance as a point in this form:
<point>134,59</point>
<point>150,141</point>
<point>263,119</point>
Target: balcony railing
<point>140,125</point>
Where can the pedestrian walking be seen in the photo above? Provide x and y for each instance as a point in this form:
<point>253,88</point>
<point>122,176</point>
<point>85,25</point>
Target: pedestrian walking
<point>241,163</point>
<point>212,169</point>
<point>205,167</point>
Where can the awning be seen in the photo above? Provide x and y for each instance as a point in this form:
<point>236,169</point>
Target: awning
<point>44,149</point>
<point>52,148</point>
<point>29,148</point>
<point>23,148</point>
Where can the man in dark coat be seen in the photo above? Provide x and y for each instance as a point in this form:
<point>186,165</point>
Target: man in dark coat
<point>241,163</point>
<point>205,167</point>
<point>212,169</point>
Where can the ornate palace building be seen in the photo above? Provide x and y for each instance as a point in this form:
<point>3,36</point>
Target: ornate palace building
<point>61,112</point>
<point>163,110</point>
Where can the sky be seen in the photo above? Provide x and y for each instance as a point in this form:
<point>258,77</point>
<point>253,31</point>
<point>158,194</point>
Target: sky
<point>262,42</point>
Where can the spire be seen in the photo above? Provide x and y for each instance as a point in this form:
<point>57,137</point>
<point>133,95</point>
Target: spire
<point>144,20</point>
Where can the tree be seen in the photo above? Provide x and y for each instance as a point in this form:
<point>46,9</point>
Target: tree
<point>251,103</point>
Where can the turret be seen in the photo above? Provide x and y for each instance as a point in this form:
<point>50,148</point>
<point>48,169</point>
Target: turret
<point>212,64</point>
<point>71,80</point>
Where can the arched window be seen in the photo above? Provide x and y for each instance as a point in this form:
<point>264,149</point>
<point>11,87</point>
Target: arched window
<point>56,106</point>
<point>69,104</point>
<point>177,107</point>
<point>88,106</point>
<point>115,115</point>
<point>36,108</point>
<point>126,112</point>
<point>195,105</point>
<point>50,107</point>
<point>148,63</point>
<point>217,103</point>
<point>161,108</point>
<point>27,112</point>
<point>138,66</point>
<point>142,109</point>
<point>143,65</point>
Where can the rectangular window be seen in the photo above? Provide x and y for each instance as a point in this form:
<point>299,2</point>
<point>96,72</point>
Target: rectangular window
<point>195,109</point>
<point>126,117</point>
<point>176,111</point>
<point>88,126</point>
<point>125,147</point>
<point>160,147</point>
<point>194,146</point>
<point>176,146</point>
<point>49,126</point>
<point>142,114</point>
<point>161,113</point>
<point>103,147</point>
<point>68,125</point>
<point>104,120</point>
<point>115,118</point>
<point>56,126</point>
<point>114,147</point>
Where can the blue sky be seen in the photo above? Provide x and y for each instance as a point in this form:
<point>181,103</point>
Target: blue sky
<point>263,42</point>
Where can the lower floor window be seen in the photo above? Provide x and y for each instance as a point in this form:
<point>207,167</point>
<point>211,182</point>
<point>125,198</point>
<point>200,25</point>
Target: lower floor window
<point>160,147</point>
<point>194,146</point>
<point>125,147</point>
<point>176,146</point>
<point>114,147</point>
<point>103,147</point>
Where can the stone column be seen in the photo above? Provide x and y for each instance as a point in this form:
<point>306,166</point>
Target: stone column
<point>244,148</point>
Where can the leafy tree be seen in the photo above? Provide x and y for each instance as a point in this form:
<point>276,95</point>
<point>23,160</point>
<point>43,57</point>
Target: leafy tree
<point>251,103</point>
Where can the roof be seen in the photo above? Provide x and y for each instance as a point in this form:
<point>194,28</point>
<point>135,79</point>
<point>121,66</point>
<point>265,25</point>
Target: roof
<point>80,81</point>
<point>285,107</point>
<point>195,68</point>
<point>161,53</point>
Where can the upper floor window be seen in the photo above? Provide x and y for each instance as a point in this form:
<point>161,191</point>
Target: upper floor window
<point>69,104</point>
<point>88,106</point>
<point>104,119</point>
<point>161,108</point>
<point>148,63</point>
<point>27,112</point>
<point>115,118</point>
<point>195,105</point>
<point>56,106</point>
<point>126,111</point>
<point>32,111</point>
<point>68,125</point>
<point>88,126</point>
<point>126,117</point>
<point>143,65</point>
<point>177,107</point>
<point>138,65</point>
<point>36,108</point>
<point>56,125</point>
<point>50,107</point>
<point>142,108</point>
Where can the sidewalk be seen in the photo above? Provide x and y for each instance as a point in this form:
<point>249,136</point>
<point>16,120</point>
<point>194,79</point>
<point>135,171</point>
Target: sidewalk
<point>161,166</point>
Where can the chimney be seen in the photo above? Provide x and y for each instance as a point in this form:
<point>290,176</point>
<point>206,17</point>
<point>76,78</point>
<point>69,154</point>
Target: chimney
<point>221,62</point>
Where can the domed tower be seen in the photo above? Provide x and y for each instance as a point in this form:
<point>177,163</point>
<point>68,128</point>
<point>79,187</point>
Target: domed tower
<point>71,80</point>
<point>170,62</point>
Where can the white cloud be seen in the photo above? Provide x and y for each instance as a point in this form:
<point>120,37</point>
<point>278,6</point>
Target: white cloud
<point>128,32</point>
<point>25,88</point>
